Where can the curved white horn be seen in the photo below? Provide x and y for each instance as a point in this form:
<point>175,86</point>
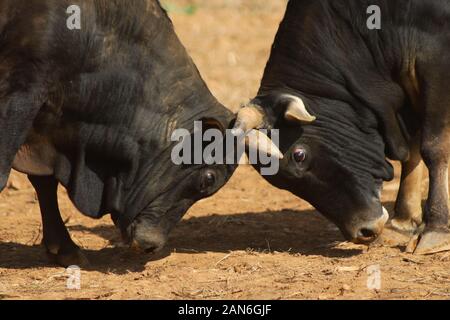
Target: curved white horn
<point>249,118</point>
<point>257,140</point>
<point>296,110</point>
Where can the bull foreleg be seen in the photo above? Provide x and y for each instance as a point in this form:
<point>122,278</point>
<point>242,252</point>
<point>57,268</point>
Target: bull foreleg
<point>408,207</point>
<point>56,239</point>
<point>435,150</point>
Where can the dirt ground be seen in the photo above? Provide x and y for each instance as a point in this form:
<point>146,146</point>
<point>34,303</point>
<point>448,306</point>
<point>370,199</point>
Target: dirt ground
<point>249,241</point>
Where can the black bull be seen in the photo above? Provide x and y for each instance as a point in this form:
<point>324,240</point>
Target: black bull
<point>94,108</point>
<point>345,95</point>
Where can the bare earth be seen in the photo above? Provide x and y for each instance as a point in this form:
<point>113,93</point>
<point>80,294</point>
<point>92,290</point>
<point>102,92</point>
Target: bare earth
<point>250,241</point>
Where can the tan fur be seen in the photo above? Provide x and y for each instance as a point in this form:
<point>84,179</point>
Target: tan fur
<point>411,84</point>
<point>408,207</point>
<point>35,158</point>
<point>251,116</point>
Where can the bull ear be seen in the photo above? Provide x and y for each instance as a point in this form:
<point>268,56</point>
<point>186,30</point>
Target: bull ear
<point>296,110</point>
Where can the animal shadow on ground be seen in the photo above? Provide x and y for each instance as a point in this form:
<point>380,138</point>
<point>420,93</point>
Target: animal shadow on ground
<point>295,232</point>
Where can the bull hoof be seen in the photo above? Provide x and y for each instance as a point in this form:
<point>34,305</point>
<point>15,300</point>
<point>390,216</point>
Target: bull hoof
<point>404,226</point>
<point>430,242</point>
<point>72,256</point>
<point>391,237</point>
<point>75,258</point>
<point>397,233</point>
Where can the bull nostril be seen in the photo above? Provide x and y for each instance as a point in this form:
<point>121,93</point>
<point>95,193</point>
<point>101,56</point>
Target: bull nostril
<point>367,233</point>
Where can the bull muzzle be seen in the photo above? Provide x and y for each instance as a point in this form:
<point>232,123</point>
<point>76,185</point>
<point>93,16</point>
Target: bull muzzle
<point>145,238</point>
<point>368,231</point>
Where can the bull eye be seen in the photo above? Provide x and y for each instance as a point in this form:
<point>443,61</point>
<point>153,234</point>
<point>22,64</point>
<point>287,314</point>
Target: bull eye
<point>299,155</point>
<point>208,180</point>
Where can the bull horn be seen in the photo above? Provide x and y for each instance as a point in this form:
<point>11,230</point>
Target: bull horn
<point>296,110</point>
<point>259,141</point>
<point>248,118</point>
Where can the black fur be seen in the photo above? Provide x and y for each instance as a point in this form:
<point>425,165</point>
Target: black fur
<point>108,98</point>
<point>353,80</point>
